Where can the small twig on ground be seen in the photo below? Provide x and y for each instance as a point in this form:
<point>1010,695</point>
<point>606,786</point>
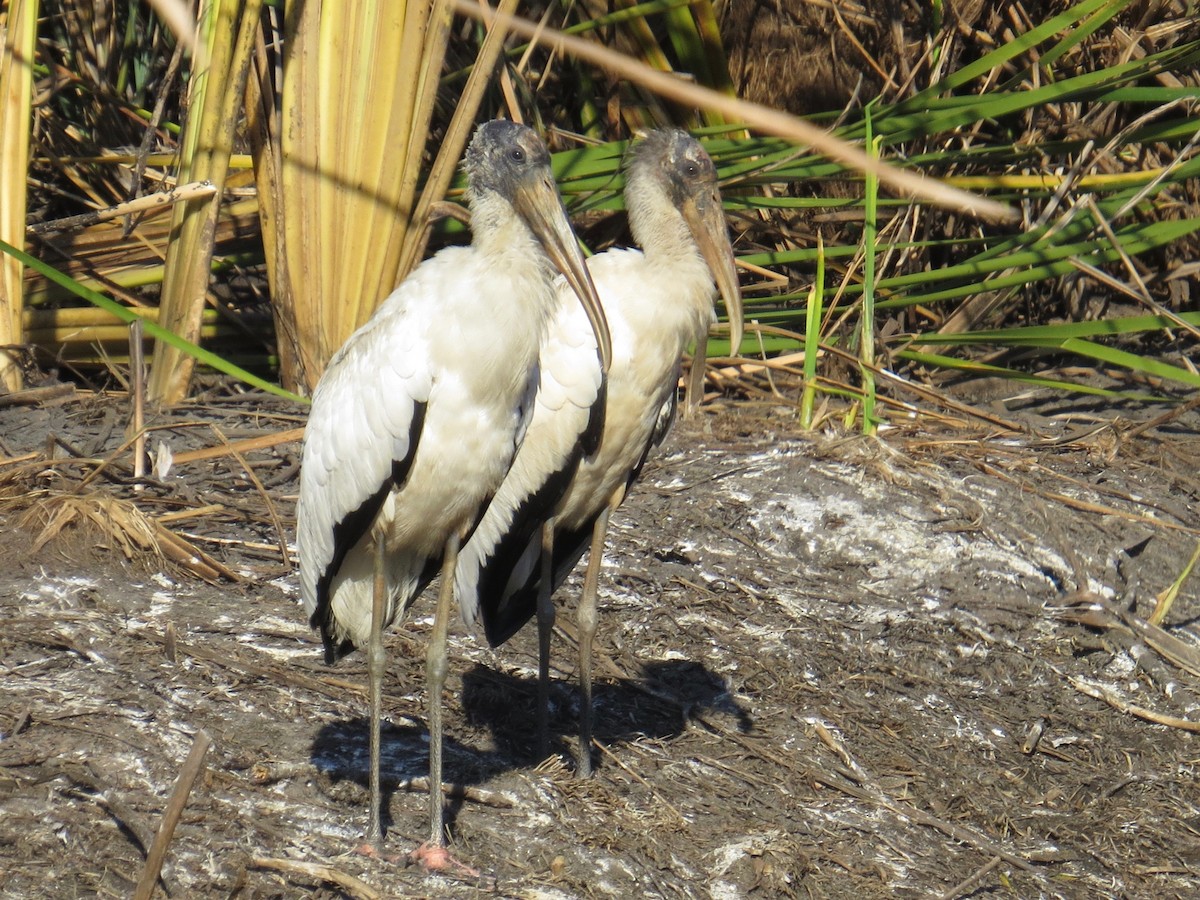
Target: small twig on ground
<point>84,776</point>
<point>38,395</point>
<point>191,513</point>
<point>353,886</point>
<point>35,457</point>
<point>1169,416</point>
<point>272,511</point>
<point>1033,736</point>
<point>192,767</point>
<point>968,884</point>
<point>453,791</point>
<point>266,441</point>
<point>1100,692</point>
<point>1083,505</point>
<point>137,388</point>
<point>642,781</point>
<point>829,740</point>
<point>190,556</point>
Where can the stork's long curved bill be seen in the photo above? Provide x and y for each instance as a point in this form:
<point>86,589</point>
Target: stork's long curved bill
<point>706,220</point>
<point>538,203</point>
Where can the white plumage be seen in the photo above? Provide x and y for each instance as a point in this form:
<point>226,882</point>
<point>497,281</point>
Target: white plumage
<point>418,417</point>
<point>657,302</point>
<point>397,430</point>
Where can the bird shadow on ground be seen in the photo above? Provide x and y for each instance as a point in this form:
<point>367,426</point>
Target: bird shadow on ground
<point>657,705</point>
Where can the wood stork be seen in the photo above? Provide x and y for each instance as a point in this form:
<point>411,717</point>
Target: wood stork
<point>418,418</point>
<point>557,498</point>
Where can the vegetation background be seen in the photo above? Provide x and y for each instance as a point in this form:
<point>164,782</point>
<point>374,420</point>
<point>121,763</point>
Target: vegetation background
<point>331,134</point>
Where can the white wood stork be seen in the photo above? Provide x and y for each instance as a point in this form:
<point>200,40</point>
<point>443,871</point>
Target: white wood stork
<point>418,418</point>
<point>557,497</point>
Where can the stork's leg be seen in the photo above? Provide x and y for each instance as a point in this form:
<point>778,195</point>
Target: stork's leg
<point>545,621</point>
<point>432,854</point>
<point>587,631</point>
<point>435,678</point>
<point>376,662</point>
<point>694,391</point>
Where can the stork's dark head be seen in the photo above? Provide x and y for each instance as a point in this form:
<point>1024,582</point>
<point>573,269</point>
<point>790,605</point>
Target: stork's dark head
<point>677,162</point>
<point>670,174</point>
<point>508,166</point>
<point>503,155</point>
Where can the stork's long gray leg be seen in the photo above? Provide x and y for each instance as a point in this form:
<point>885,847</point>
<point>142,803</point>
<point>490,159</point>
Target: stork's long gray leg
<point>435,678</point>
<point>587,631</point>
<point>433,854</point>
<point>376,663</point>
<point>694,391</point>
<point>545,621</point>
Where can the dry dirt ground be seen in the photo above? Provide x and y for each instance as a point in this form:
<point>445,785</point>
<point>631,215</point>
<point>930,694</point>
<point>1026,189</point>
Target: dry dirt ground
<point>828,667</point>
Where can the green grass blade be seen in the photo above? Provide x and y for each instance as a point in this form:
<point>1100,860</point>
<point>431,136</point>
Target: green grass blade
<point>812,337</point>
<point>985,370</point>
<point>152,329</point>
<point>866,334</point>
<point>1009,51</point>
<point>1038,335</point>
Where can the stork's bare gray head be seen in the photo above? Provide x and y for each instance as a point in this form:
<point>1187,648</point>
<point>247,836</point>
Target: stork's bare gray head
<point>501,155</point>
<point>511,161</point>
<point>677,161</point>
<point>682,169</point>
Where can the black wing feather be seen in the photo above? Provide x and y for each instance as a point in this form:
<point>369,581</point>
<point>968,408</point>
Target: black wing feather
<point>504,615</point>
<point>353,528</point>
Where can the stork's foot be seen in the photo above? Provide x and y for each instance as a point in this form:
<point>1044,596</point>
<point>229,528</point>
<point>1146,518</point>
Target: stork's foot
<point>436,858</point>
<point>371,849</point>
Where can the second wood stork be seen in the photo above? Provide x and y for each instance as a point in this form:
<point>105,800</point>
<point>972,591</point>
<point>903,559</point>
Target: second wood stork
<point>556,500</point>
<point>419,416</point>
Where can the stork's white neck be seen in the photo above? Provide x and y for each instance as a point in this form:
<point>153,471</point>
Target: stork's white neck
<point>495,226</point>
<point>675,272</point>
<point>659,228</point>
<point>512,253</point>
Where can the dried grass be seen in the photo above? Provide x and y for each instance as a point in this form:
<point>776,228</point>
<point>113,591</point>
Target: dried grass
<point>92,518</point>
